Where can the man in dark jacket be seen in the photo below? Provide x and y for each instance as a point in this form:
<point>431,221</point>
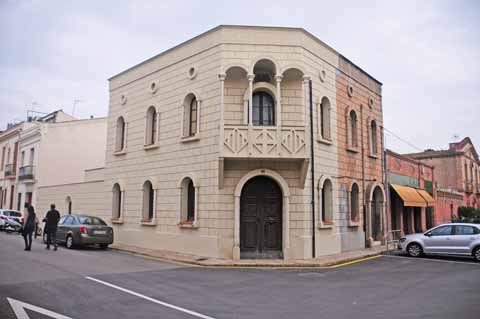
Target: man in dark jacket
<point>51,221</point>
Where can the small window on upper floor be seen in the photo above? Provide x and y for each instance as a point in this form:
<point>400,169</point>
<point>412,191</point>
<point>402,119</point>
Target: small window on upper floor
<point>263,109</point>
<point>325,119</point>
<point>373,138</point>
<point>151,132</point>
<point>191,116</point>
<point>353,129</point>
<point>120,134</point>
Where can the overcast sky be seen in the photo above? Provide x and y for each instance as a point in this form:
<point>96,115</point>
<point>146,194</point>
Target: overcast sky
<point>426,53</point>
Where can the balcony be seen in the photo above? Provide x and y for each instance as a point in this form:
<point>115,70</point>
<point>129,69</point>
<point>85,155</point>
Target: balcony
<point>478,188</point>
<point>264,142</point>
<point>26,173</point>
<point>10,170</point>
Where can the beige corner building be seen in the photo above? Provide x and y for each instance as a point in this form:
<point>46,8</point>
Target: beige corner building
<point>209,148</point>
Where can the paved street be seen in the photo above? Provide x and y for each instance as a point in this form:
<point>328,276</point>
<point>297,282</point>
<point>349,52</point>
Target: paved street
<point>91,283</point>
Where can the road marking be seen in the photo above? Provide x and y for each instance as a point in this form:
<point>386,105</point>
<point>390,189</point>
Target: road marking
<point>266,267</point>
<point>19,310</point>
<point>190,312</point>
<point>436,260</point>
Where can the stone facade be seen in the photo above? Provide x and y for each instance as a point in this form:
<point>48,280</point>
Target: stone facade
<point>359,102</point>
<point>219,73</point>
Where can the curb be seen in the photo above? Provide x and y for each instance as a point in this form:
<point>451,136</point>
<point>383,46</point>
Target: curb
<point>235,265</point>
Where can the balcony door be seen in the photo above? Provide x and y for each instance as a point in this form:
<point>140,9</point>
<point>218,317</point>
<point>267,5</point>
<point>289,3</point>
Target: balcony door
<point>263,109</point>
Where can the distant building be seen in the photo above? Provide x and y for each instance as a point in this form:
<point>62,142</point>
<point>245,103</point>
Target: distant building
<point>457,172</point>
<point>412,194</point>
<point>54,149</point>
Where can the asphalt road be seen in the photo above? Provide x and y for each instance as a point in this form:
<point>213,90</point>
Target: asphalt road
<point>92,283</point>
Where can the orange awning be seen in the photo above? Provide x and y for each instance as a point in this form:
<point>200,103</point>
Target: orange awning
<point>410,196</point>
<point>427,197</point>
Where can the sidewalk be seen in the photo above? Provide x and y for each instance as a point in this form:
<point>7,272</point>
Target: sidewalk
<point>322,261</point>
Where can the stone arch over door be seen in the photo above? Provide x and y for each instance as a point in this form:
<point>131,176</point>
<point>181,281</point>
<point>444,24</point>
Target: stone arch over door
<point>285,195</point>
<point>375,218</point>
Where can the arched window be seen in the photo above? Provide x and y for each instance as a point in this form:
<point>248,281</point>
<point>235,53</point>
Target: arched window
<point>327,202</point>
<point>353,129</point>
<point>190,116</point>
<point>120,135</point>
<point>354,203</point>
<point>325,118</point>
<point>263,109</point>
<point>373,137</point>
<point>148,202</point>
<point>116,202</point>
<point>151,126</point>
<point>188,201</point>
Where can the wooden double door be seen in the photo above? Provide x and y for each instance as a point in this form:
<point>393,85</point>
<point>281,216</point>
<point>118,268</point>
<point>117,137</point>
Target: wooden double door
<point>261,219</point>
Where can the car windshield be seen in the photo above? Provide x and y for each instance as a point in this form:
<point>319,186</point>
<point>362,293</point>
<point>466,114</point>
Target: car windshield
<point>88,220</point>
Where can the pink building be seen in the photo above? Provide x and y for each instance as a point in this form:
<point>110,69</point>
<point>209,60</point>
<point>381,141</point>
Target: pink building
<point>412,194</point>
<point>457,173</point>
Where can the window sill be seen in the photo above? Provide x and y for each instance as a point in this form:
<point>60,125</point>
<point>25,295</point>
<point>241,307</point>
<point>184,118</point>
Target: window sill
<point>353,223</point>
<point>186,139</point>
<point>117,221</point>
<point>374,156</point>
<point>122,152</point>
<point>352,149</point>
<point>324,141</point>
<point>188,224</point>
<point>326,225</point>
<point>148,222</point>
<point>151,146</point>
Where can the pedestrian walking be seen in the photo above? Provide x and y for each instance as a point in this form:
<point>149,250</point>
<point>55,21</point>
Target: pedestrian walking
<point>51,222</point>
<point>28,225</point>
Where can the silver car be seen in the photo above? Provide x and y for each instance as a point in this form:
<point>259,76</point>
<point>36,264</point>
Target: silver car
<point>447,239</point>
<point>79,230</point>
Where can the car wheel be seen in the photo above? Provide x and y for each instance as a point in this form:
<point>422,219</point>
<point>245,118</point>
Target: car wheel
<point>44,238</point>
<point>476,254</point>
<point>69,242</point>
<point>414,250</point>
<point>103,246</point>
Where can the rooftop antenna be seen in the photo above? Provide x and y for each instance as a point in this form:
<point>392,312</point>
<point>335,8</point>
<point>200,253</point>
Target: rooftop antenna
<point>75,102</point>
<point>456,137</point>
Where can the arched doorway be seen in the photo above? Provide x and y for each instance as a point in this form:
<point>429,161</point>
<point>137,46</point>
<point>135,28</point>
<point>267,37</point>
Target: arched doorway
<point>377,212</point>
<point>261,219</point>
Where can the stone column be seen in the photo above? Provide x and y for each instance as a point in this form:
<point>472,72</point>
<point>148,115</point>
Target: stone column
<point>236,229</point>
<point>250,78</point>
<point>278,79</point>
<point>423,217</point>
<point>222,77</point>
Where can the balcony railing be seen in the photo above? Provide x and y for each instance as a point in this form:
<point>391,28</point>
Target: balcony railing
<point>264,142</point>
<point>10,170</point>
<point>26,172</point>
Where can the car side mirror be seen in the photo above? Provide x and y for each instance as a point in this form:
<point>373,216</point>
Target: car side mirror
<point>428,234</point>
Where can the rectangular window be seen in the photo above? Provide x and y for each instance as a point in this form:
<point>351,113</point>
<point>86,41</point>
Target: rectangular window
<point>19,201</point>
<point>3,158</point>
<point>22,159</point>
<point>12,192</point>
<point>32,155</point>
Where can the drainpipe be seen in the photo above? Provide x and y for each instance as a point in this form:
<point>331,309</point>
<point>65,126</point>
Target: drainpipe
<point>387,212</point>
<point>365,227</point>
<point>312,167</point>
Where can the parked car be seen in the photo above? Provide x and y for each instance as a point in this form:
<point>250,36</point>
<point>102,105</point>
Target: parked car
<point>459,239</point>
<point>12,220</point>
<point>80,230</point>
